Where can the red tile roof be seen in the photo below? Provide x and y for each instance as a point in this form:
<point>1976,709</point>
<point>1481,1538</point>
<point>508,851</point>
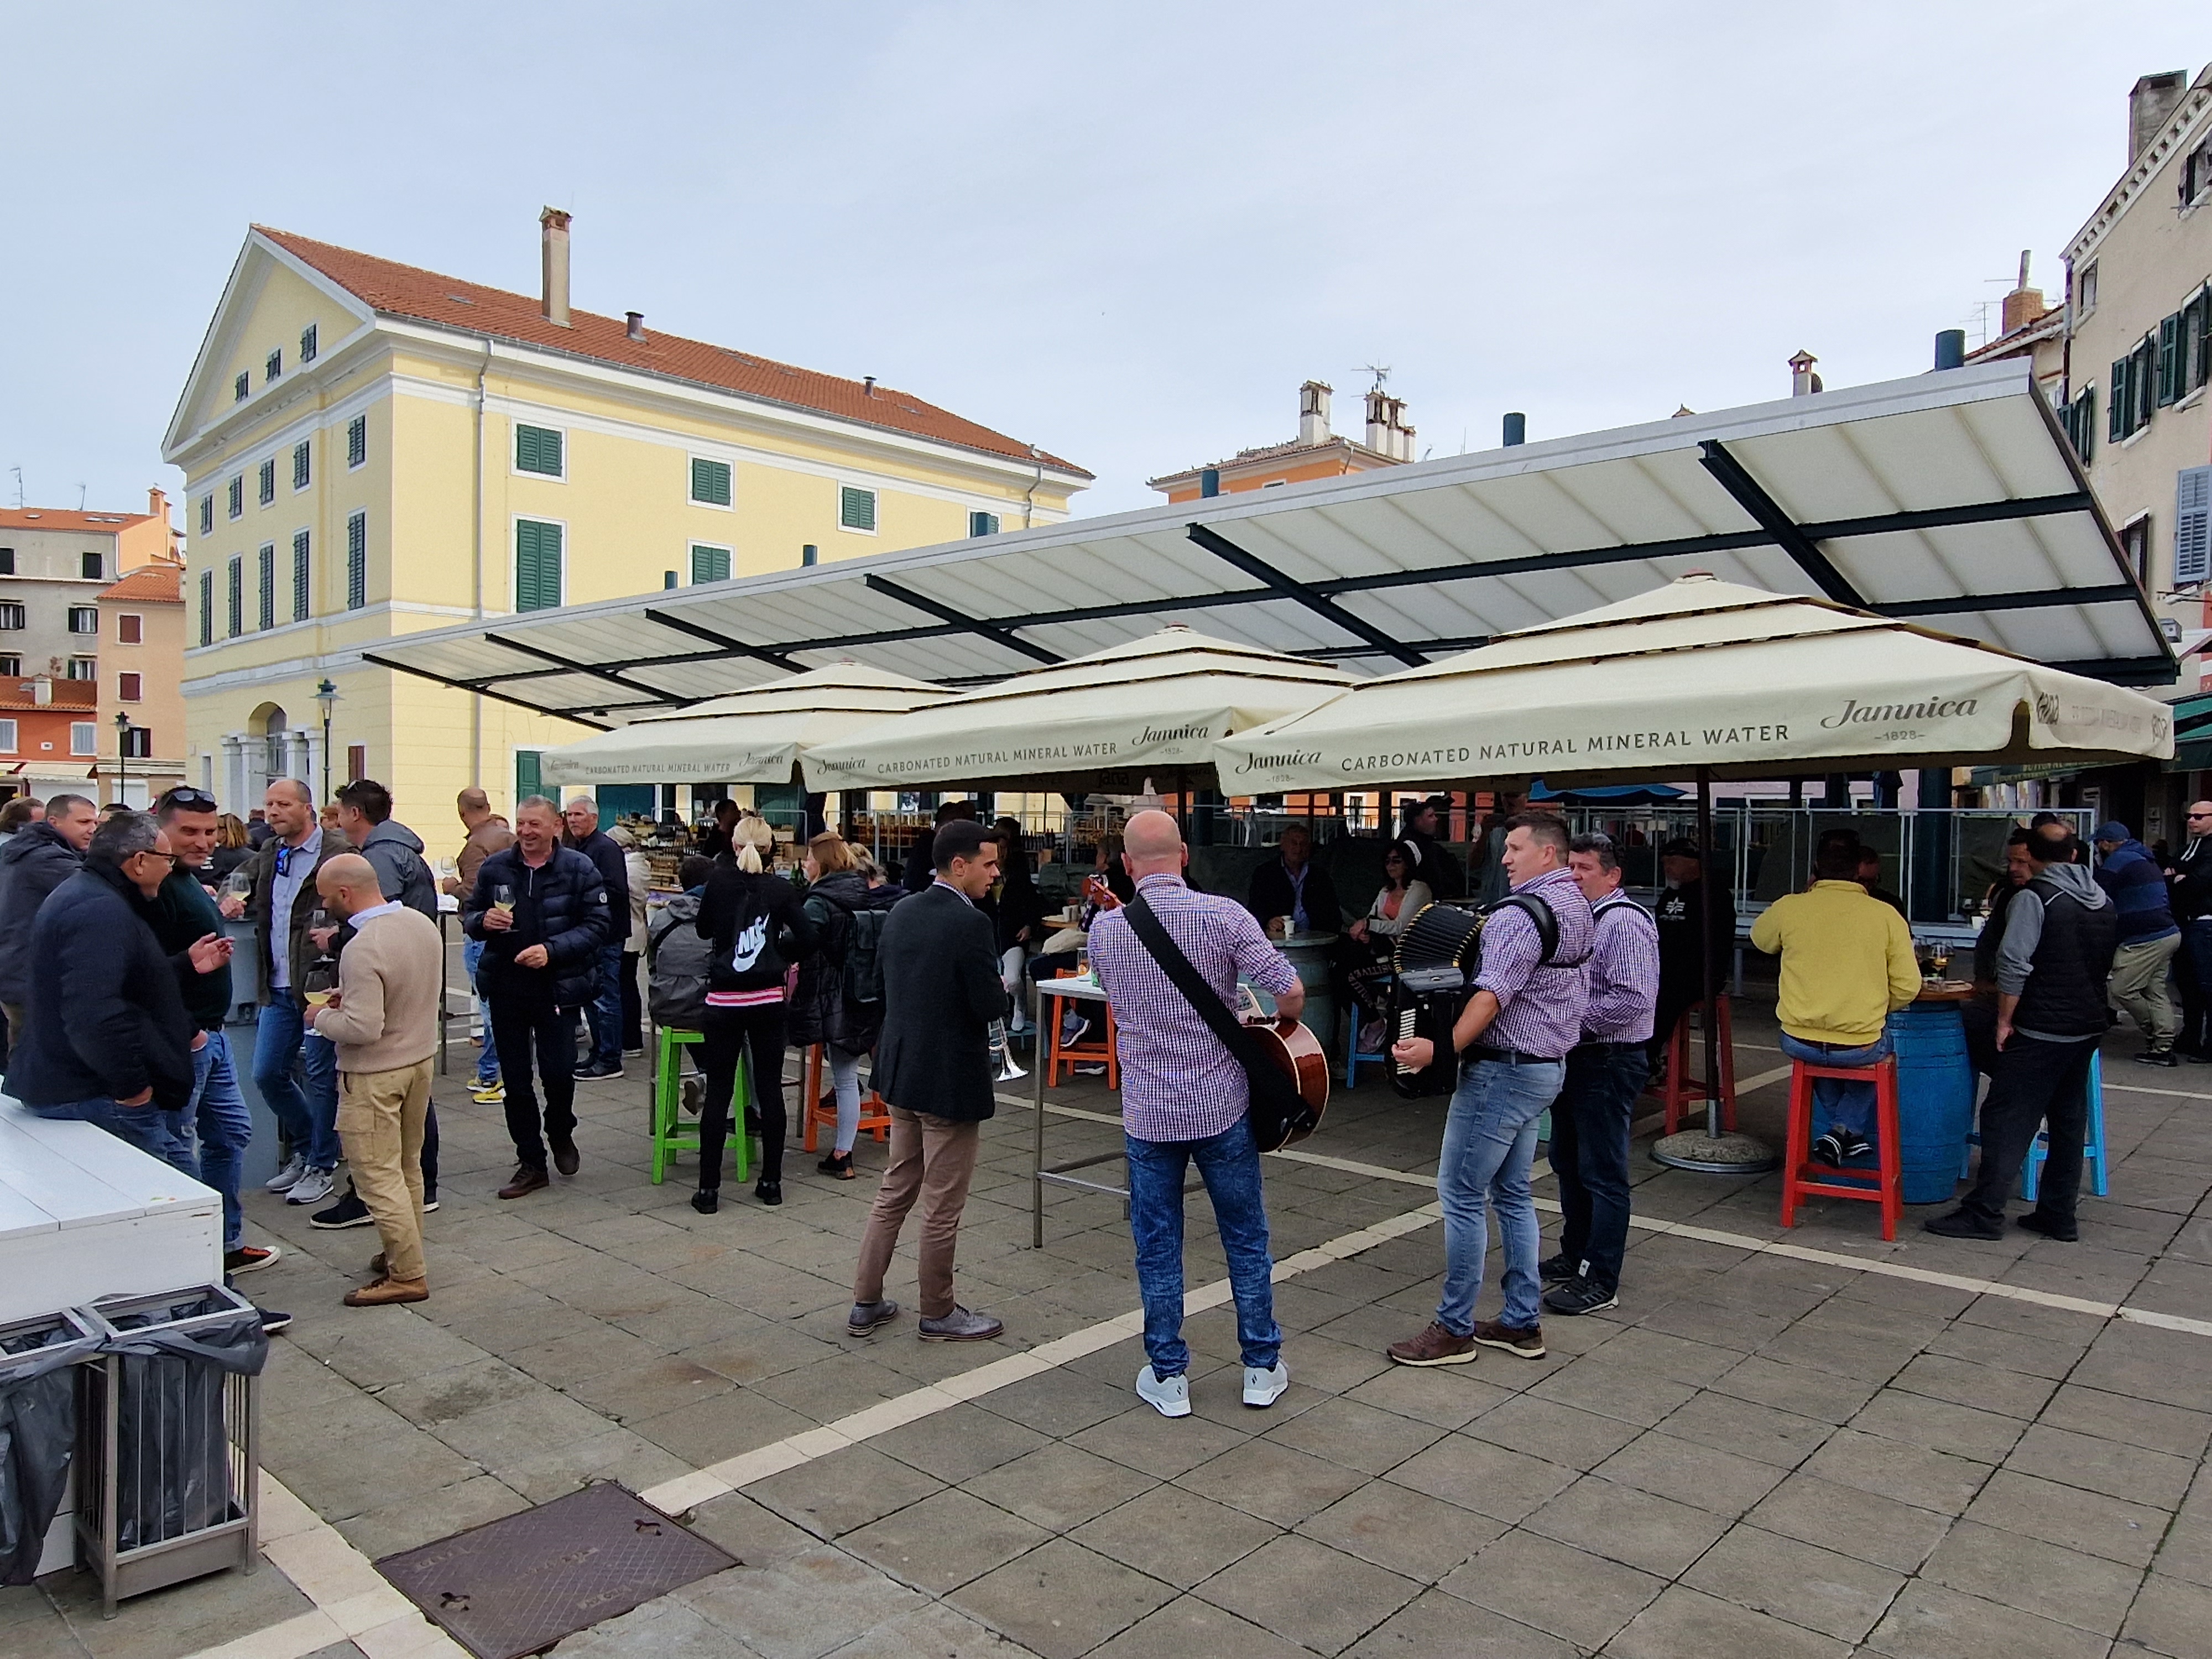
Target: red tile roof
<point>81,695</point>
<point>53,518</point>
<point>159,583</point>
<point>448,302</point>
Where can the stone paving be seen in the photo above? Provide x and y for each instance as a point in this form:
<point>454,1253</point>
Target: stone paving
<point>1754,1455</point>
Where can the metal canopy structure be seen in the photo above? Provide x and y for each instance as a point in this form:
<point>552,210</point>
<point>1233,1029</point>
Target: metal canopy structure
<point>1951,498</point>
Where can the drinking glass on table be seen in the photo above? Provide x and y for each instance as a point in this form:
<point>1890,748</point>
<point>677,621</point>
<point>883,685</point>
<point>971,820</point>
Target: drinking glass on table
<point>1938,960</point>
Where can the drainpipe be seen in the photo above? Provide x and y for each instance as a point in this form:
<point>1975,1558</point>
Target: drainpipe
<point>475,562</point>
<point>1029,502</point>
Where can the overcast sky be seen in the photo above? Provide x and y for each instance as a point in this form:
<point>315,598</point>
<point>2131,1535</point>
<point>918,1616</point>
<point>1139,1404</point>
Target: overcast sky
<point>1123,233</point>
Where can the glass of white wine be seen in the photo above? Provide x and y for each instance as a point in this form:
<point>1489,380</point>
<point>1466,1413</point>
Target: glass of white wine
<point>321,981</point>
<point>239,885</point>
<point>503,898</point>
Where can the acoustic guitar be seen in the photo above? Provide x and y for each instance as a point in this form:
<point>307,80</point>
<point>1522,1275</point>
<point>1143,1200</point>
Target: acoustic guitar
<point>1298,1053</point>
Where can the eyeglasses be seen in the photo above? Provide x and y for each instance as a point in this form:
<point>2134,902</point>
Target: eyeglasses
<point>156,853</point>
<point>191,800</point>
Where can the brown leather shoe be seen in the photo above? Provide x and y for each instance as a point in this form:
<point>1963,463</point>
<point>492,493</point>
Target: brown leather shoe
<point>1435,1346</point>
<point>1526,1342</point>
<point>528,1179</point>
<point>389,1290</point>
<point>565,1159</point>
<point>376,1266</point>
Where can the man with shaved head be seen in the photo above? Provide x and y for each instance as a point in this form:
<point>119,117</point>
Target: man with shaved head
<point>383,1020</point>
<point>1185,1100</point>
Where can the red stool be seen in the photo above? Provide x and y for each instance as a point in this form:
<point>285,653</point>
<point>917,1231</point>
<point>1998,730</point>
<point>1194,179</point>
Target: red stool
<point>1682,1092</point>
<point>1106,1051</point>
<point>820,1110</point>
<point>1802,1178</point>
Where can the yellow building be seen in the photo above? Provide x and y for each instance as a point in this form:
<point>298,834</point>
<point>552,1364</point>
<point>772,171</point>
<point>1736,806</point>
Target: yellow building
<point>372,449</point>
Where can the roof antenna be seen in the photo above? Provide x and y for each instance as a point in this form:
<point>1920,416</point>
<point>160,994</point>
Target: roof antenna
<point>80,498</point>
<point>18,471</point>
<point>1381,374</point>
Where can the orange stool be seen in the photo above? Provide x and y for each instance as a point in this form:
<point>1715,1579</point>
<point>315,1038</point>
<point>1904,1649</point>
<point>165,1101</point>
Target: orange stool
<point>1682,1092</point>
<point>1070,1055</point>
<point>1802,1177</point>
<point>820,1111</point>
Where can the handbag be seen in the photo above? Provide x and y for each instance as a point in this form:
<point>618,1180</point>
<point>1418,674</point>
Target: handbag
<point>1282,1074</point>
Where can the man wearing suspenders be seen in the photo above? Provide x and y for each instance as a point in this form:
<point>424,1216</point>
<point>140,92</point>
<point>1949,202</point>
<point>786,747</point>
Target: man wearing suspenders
<point>1605,1074</point>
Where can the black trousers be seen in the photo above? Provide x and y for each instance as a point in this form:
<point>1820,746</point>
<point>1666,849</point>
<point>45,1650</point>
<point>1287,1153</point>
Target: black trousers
<point>1676,999</point>
<point>758,1033</point>
<point>1589,1154</point>
<point>2036,1082</point>
<point>522,1030</point>
<point>633,1008</point>
<point>2188,973</point>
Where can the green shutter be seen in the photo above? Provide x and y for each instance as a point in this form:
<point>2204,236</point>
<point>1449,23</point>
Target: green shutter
<point>356,561</point>
<point>2116,412</point>
<point>537,565</point>
<point>207,607</point>
<point>537,449</point>
<point>2169,360</point>
<point>710,481</point>
<point>709,564</point>
<point>856,508</point>
<point>527,780</point>
<point>982,524</point>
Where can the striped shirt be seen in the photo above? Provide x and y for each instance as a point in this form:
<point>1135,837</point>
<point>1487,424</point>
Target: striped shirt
<point>1541,1004</point>
<point>1623,973</point>
<point>1178,1081</point>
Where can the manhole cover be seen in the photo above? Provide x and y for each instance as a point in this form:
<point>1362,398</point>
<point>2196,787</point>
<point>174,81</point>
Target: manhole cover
<point>518,1585</point>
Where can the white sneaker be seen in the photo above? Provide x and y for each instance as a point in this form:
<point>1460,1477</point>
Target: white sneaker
<point>1265,1388</point>
<point>287,1177</point>
<point>1171,1398</point>
<point>312,1187</point>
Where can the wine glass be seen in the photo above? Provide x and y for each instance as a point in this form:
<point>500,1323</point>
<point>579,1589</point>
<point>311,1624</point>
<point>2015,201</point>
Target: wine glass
<point>320,981</point>
<point>239,883</point>
<point>503,898</point>
<point>1938,960</point>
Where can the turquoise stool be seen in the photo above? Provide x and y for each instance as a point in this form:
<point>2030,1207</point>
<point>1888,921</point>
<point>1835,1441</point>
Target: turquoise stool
<point>2093,1148</point>
<point>669,1136</point>
<point>1355,1056</point>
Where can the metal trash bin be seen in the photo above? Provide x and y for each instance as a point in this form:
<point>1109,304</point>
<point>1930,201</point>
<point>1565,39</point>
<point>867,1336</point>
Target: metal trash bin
<point>38,1391</point>
<point>169,1454</point>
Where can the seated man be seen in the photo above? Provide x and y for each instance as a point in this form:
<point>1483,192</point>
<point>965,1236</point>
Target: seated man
<point>1846,962</point>
<point>1289,895</point>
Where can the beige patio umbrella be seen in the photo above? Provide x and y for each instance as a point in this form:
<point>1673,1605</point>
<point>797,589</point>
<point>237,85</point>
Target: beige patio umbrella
<point>1155,706</point>
<point>754,736</point>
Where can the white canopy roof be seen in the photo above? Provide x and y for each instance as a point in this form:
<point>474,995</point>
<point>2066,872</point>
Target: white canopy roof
<point>1150,707</point>
<point>1699,672</point>
<point>1949,497</point>
<point>754,736</point>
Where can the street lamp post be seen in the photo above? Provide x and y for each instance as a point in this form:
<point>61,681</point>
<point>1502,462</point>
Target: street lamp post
<point>122,757</point>
<point>326,696</point>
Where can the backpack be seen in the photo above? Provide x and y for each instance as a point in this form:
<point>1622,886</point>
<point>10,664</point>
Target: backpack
<point>864,961</point>
<point>676,960</point>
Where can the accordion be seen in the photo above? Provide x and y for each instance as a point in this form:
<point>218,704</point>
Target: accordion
<point>1435,964</point>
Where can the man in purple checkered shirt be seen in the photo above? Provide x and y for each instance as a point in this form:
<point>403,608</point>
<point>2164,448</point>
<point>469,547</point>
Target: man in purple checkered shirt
<point>1513,1038</point>
<point>1184,1101</point>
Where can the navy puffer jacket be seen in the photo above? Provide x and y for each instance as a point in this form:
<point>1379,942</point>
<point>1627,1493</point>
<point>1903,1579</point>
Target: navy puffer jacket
<point>38,860</point>
<point>561,905</point>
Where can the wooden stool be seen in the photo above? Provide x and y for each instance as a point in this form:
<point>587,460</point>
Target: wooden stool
<point>1071,1053</point>
<point>668,1138</point>
<point>1802,1177</point>
<point>820,1110</point>
<point>1683,1092</point>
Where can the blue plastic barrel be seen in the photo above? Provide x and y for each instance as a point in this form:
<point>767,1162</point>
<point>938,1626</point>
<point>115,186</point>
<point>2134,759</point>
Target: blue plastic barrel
<point>1935,1098</point>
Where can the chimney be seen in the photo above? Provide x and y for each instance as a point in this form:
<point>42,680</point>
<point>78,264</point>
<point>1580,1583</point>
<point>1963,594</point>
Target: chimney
<point>555,250</point>
<point>1401,436</point>
<point>1378,421</point>
<point>157,503</point>
<point>42,690</point>
<point>1313,413</point>
<point>2024,305</point>
<point>2149,102</point>
<point>1803,382</point>
<point>636,329</point>
<point>1951,348</point>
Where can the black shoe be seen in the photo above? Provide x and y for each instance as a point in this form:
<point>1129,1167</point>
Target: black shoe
<point>347,1212</point>
<point>769,1192</point>
<point>1854,1145</point>
<point>2061,1232</point>
<point>706,1201</point>
<point>598,1071</point>
<point>430,1200</point>
<point>1963,1223</point>
<point>1829,1148</point>
<point>2158,1057</point>
<point>2200,1056</point>
<point>839,1164</point>
<point>272,1321</point>
<point>565,1159</point>
<point>1557,1269</point>
<point>1579,1295</point>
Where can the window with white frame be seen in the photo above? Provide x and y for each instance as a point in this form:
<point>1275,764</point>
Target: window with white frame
<point>11,617</point>
<point>129,628</point>
<point>237,496</point>
<point>235,597</point>
<point>856,508</point>
<point>8,741</point>
<point>240,386</point>
<point>268,481</point>
<point>538,449</point>
<point>129,687</point>
<point>84,737</point>
<point>307,343</point>
<point>356,561</point>
<point>92,567</point>
<point>265,590</point>
<point>207,607</point>
<point>2085,290</point>
<point>303,464</point>
<point>709,564</point>
<point>357,440</point>
<point>275,366</point>
<point>207,515</point>
<point>982,524</point>
<point>300,595</point>
<point>10,665</point>
<point>82,668</point>
<point>537,565</point>
<point>84,619</point>
<point>710,481</point>
<point>2135,545</point>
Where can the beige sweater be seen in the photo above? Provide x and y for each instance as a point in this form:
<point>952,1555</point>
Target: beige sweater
<point>390,976</point>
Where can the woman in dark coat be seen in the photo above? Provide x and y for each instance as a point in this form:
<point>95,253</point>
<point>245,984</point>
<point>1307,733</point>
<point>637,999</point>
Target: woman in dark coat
<point>757,929</point>
<point>843,908</point>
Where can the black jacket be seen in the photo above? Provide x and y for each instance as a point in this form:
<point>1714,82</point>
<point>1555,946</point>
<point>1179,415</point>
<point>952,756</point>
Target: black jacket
<point>2192,879</point>
<point>941,992</point>
<point>1433,863</point>
<point>1680,941</point>
<point>561,905</point>
<point>920,862</point>
<point>1019,907</point>
<point>1271,895</point>
<point>105,1011</point>
<point>614,872</point>
<point>756,927</point>
<point>38,860</point>
<point>820,1011</point>
<point>2065,992</point>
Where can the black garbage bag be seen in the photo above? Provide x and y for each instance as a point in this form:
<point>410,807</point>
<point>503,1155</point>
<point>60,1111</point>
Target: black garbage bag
<point>172,1470</point>
<point>38,1437</point>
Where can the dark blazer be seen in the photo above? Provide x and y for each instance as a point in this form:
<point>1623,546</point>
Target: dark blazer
<point>1270,895</point>
<point>941,992</point>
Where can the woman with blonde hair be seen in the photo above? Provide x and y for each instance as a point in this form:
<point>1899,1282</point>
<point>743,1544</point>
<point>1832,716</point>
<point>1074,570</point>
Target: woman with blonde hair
<point>756,929</point>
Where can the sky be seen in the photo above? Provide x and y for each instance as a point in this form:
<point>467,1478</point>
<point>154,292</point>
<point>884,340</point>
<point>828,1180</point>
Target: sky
<point>1125,234</point>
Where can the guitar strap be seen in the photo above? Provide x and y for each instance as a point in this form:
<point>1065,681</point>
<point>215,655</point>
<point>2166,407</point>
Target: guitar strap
<point>1278,1109</point>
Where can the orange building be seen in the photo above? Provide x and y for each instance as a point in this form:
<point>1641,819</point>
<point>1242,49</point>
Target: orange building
<point>1316,453</point>
<point>141,671</point>
<point>50,739</point>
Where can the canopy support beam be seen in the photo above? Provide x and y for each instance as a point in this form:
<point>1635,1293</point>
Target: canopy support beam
<point>478,691</point>
<point>997,635</point>
<point>760,653</point>
<point>570,665</point>
<point>1222,548</point>
<point>1751,495</point>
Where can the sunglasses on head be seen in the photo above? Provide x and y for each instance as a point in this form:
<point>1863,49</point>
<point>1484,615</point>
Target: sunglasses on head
<point>190,800</point>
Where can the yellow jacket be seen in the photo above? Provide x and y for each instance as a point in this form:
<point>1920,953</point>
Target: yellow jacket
<point>1846,962</point>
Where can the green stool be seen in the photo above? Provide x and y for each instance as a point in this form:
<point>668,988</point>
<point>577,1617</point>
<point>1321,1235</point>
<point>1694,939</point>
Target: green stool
<point>668,1137</point>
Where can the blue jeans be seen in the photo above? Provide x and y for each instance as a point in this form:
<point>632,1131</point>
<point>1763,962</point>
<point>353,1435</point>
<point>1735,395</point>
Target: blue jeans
<point>1229,1163</point>
<point>148,1127</point>
<point>281,1047</point>
<point>605,1010</point>
<point>1838,1104</point>
<point>1490,1145</point>
<point>487,1062</point>
<point>218,1117</point>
